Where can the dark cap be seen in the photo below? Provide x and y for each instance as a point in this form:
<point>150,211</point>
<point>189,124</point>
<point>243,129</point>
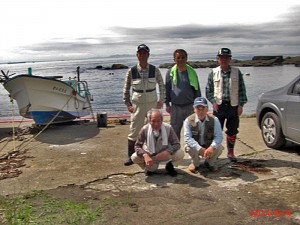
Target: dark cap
<point>143,46</point>
<point>224,51</point>
<point>200,101</point>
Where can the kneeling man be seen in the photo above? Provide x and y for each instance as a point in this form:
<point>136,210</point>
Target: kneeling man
<point>157,142</point>
<point>203,137</point>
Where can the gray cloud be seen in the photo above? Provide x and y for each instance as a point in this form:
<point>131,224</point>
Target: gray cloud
<point>281,36</point>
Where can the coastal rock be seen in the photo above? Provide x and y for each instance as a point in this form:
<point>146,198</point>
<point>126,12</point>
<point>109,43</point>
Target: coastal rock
<point>112,67</point>
<point>256,61</point>
<point>278,57</point>
<point>292,60</point>
<point>103,68</point>
<point>166,65</point>
<point>207,64</point>
<point>118,66</point>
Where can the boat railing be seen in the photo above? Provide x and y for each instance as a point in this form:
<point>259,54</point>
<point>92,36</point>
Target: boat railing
<point>72,83</point>
<point>83,89</point>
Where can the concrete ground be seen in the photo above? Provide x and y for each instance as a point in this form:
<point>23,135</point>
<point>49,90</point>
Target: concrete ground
<point>83,160</point>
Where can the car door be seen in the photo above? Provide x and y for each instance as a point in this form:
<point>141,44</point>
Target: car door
<point>293,113</point>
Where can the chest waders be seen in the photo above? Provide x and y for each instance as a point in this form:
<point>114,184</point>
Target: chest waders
<point>136,75</point>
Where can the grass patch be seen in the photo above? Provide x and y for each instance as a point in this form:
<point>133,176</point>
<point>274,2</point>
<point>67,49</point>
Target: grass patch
<point>40,208</point>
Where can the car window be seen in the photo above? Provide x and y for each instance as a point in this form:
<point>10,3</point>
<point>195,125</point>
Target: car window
<point>296,88</point>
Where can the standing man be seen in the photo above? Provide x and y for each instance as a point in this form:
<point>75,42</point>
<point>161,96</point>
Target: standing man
<point>143,79</point>
<point>182,87</point>
<point>226,90</point>
<point>203,137</point>
<point>157,142</point>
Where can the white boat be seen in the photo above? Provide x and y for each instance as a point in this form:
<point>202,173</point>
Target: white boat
<point>49,99</point>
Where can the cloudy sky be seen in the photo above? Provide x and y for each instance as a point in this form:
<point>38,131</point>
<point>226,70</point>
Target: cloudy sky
<point>75,29</point>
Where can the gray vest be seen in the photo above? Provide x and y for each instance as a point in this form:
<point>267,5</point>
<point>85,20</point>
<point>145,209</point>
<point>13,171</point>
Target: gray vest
<point>208,131</point>
<point>136,75</point>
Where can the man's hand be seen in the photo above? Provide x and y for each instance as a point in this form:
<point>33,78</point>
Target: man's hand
<point>130,108</point>
<point>202,151</point>
<point>239,110</point>
<point>148,160</point>
<point>159,104</point>
<point>215,107</point>
<point>168,109</point>
<point>209,152</point>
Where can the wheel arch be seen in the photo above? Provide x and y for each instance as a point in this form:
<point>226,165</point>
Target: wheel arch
<point>270,107</point>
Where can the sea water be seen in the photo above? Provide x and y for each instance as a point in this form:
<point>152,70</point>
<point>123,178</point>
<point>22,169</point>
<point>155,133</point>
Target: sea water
<point>106,86</point>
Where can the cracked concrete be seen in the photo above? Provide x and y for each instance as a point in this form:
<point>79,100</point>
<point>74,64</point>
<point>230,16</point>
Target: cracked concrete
<point>90,158</point>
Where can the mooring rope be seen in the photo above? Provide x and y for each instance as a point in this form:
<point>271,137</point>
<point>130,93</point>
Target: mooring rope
<point>23,145</point>
<point>44,128</point>
<point>13,124</point>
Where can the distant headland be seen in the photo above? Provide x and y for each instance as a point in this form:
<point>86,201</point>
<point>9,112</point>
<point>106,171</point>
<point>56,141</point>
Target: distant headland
<point>255,61</point>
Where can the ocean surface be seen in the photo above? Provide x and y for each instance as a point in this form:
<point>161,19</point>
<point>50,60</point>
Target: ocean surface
<point>106,85</point>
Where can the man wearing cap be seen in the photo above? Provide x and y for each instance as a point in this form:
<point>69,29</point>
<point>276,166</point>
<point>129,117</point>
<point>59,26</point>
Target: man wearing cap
<point>203,137</point>
<point>226,90</point>
<point>142,79</point>
<point>182,87</point>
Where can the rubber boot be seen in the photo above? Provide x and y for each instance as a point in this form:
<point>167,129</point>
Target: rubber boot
<point>230,146</point>
<point>131,144</point>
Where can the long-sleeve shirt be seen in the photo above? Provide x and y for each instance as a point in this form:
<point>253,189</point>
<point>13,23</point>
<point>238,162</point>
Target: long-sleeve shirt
<point>144,76</point>
<point>192,143</point>
<point>173,142</point>
<point>226,94</point>
<point>182,93</point>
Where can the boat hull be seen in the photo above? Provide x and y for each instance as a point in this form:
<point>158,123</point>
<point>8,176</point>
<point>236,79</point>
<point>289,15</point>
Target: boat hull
<point>47,100</point>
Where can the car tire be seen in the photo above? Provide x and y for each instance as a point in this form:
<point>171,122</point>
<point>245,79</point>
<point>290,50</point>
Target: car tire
<point>271,131</point>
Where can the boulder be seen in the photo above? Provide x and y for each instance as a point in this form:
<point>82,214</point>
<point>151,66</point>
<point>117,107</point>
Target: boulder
<point>112,67</point>
<point>118,66</point>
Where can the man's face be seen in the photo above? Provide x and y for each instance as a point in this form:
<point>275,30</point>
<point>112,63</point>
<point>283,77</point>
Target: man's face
<point>180,58</point>
<point>224,61</point>
<point>201,111</point>
<point>142,56</point>
<point>155,121</point>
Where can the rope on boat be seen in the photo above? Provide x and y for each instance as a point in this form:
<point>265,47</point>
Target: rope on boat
<point>76,104</point>
<point>44,128</point>
<point>13,127</point>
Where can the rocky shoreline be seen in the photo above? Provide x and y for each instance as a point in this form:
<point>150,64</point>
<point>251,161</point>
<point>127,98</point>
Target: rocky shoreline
<point>255,61</point>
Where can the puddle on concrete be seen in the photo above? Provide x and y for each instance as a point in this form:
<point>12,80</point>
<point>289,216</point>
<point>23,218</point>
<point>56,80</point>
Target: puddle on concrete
<point>251,166</point>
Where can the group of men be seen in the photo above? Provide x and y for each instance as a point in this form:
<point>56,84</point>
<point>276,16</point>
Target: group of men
<point>157,141</point>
